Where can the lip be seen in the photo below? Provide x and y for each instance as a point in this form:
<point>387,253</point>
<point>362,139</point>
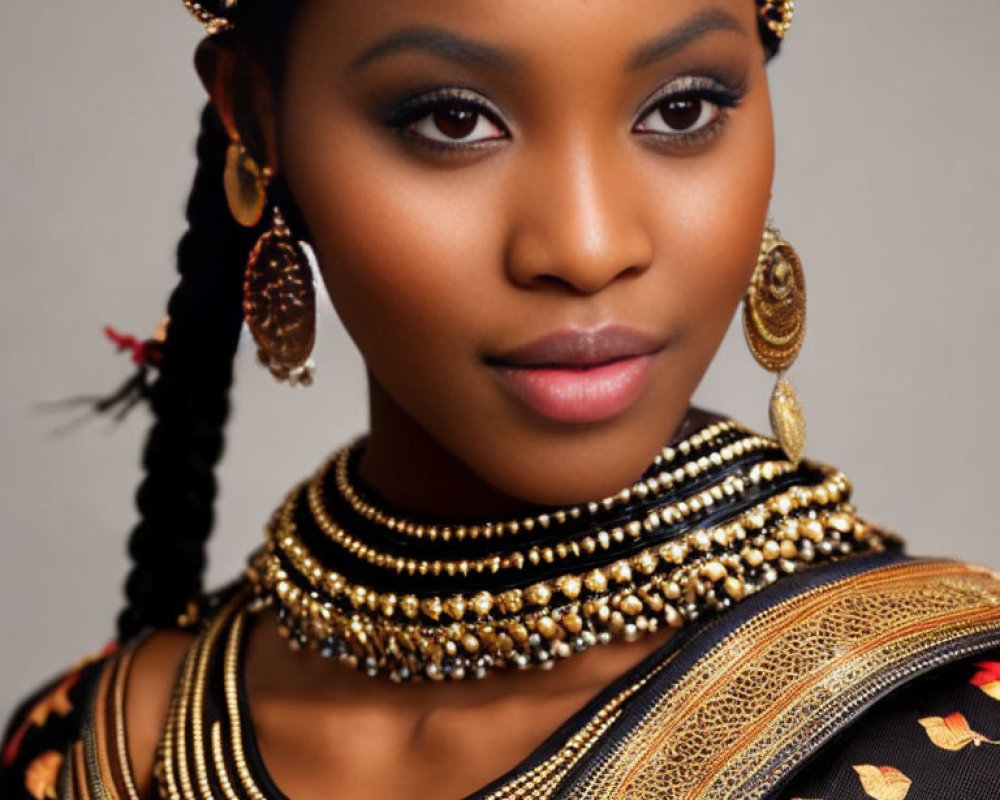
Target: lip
<point>573,347</point>
<point>579,376</point>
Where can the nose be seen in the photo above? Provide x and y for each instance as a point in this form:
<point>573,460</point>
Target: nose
<point>578,224</point>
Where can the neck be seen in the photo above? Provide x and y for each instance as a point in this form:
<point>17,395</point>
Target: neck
<point>412,473</point>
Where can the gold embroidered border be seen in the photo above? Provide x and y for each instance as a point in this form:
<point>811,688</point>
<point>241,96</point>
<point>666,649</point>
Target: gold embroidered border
<point>101,762</point>
<point>767,686</point>
<point>543,778</point>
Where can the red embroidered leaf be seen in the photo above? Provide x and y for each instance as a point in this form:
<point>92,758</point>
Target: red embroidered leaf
<point>988,678</point>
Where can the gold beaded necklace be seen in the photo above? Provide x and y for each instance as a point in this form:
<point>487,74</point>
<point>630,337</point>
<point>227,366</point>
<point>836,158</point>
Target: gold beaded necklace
<point>713,519</point>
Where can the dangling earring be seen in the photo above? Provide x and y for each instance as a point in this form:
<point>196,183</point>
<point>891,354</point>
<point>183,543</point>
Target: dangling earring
<point>279,299</point>
<point>774,322</point>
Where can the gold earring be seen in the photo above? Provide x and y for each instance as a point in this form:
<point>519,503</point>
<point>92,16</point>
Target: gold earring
<point>279,304</point>
<point>774,322</point>
<point>245,184</point>
<point>279,299</point>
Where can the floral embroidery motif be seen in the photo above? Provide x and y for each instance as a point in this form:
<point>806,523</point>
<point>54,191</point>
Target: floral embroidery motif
<point>952,732</point>
<point>55,702</point>
<point>883,783</point>
<point>988,678</point>
<point>40,777</point>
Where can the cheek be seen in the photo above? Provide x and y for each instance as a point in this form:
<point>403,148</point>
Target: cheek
<point>408,254</point>
<point>708,227</point>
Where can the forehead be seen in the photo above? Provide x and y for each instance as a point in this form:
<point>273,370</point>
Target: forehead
<point>518,30</point>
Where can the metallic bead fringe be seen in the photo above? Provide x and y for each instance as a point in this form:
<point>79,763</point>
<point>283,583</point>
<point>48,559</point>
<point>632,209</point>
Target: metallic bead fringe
<point>669,583</point>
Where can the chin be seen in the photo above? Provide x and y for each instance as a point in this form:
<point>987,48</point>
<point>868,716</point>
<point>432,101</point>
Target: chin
<point>565,465</point>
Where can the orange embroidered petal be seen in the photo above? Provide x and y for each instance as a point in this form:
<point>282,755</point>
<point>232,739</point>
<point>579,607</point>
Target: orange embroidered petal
<point>951,732</point>
<point>40,777</point>
<point>992,689</point>
<point>988,678</point>
<point>883,783</point>
<point>55,702</point>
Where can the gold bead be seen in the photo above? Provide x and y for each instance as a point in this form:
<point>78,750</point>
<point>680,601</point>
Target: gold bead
<point>431,606</point>
<point>539,594</point>
<point>572,622</point>
<point>771,550</point>
<point>518,632</point>
<point>596,581</point>
<point>621,572</point>
<point>570,586</point>
<point>631,605</point>
<point>547,627</point>
<point>511,601</point>
<point>673,553</point>
<point>482,603</point>
<point>455,606</point>
<point>811,529</point>
<point>734,588</point>
<point>841,522</point>
<point>647,563</point>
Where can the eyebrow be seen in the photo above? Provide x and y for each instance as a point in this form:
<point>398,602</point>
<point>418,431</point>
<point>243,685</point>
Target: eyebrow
<point>438,42</point>
<point>460,49</point>
<point>702,23</point>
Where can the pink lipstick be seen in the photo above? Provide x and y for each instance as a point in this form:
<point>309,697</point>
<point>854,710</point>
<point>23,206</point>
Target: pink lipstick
<point>579,376</point>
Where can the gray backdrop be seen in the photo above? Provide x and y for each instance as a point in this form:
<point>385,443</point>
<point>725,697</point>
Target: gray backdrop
<point>887,184</point>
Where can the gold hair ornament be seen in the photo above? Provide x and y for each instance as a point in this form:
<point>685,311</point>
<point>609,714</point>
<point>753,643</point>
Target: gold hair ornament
<point>777,15</point>
<point>211,13</point>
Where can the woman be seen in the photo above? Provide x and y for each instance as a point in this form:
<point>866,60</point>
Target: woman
<point>536,228</point>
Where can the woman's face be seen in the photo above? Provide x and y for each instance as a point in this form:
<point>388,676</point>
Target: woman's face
<point>480,175</point>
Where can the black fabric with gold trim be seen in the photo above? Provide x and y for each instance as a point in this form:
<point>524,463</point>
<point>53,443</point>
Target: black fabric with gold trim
<point>875,677</point>
<point>867,675</point>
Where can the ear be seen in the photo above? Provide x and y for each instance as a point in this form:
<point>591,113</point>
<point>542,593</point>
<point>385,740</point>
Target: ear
<point>241,89</point>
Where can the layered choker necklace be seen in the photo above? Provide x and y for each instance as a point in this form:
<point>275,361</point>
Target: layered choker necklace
<point>715,518</point>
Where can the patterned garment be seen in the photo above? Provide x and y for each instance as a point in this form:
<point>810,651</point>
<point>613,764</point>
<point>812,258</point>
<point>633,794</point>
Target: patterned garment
<point>937,738</point>
<point>875,678</point>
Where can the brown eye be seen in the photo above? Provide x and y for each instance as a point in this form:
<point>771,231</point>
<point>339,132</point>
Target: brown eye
<point>456,123</point>
<point>680,116</point>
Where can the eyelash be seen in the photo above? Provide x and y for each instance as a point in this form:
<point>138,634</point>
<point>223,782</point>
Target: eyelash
<point>417,109</point>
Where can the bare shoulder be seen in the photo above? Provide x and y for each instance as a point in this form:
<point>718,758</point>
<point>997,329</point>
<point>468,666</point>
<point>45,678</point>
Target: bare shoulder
<point>148,690</point>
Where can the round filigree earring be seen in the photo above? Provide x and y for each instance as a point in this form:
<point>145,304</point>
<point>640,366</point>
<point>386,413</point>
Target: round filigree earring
<point>774,322</point>
<point>279,298</point>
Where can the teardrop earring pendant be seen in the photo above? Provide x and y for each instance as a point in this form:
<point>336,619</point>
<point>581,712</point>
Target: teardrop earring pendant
<point>279,297</point>
<point>279,304</point>
<point>774,321</point>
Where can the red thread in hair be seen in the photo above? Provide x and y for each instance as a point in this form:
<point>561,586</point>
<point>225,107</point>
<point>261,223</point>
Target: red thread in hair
<point>144,353</point>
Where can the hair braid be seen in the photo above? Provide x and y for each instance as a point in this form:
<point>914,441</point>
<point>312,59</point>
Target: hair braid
<point>190,400</point>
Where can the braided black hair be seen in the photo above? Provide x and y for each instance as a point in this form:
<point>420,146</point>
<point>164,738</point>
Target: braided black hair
<point>190,400</point>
